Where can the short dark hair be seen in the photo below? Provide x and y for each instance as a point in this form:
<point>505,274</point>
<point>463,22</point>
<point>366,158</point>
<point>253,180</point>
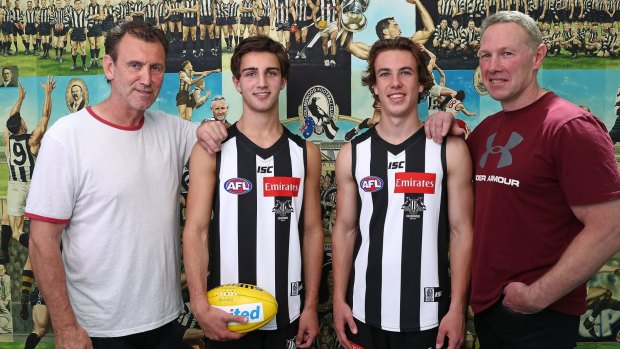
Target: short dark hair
<point>14,123</point>
<point>137,29</point>
<point>425,77</point>
<point>381,25</point>
<point>259,43</point>
<point>6,68</point>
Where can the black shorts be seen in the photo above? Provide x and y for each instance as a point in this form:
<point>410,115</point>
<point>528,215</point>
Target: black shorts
<point>7,28</point>
<point>182,97</point>
<point>304,23</point>
<point>174,18</point>
<point>163,20</point>
<point>370,337</point>
<point>283,26</point>
<point>189,22</point>
<point>164,337</point>
<point>107,24</point>
<point>17,31</point>
<point>206,20</point>
<point>152,21</point>
<point>263,21</point>
<point>280,338</point>
<point>44,29</point>
<point>36,298</point>
<point>95,31</point>
<point>78,35</point>
<point>61,33</point>
<point>221,21</point>
<point>231,20</point>
<point>246,20</point>
<point>30,29</point>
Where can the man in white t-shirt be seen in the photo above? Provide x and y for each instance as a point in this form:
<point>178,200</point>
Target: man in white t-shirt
<point>107,183</point>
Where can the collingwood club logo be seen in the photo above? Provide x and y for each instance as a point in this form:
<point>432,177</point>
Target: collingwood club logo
<point>282,209</point>
<point>413,207</point>
<point>319,113</point>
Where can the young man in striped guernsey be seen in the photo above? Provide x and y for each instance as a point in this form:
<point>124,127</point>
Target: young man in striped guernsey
<point>263,190</point>
<point>404,204</point>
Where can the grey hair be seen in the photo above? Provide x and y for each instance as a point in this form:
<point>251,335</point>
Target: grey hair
<point>524,21</point>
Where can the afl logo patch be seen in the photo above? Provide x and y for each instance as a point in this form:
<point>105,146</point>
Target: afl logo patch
<point>238,186</point>
<point>319,113</point>
<point>371,184</point>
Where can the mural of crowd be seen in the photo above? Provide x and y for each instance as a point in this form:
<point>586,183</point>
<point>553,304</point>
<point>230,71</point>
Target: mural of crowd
<point>569,27</point>
<point>319,36</point>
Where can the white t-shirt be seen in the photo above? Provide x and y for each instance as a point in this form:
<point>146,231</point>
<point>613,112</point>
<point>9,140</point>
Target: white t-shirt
<point>117,191</point>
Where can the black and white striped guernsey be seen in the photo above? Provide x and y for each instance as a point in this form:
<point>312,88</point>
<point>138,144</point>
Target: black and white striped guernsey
<point>257,225</point>
<point>20,160</point>
<point>399,280</point>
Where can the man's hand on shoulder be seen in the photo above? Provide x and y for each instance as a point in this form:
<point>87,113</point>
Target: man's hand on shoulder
<point>211,134</point>
<point>439,124</point>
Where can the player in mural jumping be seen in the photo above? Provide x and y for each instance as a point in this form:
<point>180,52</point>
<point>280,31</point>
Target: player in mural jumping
<point>186,80</point>
<point>599,299</point>
<point>388,28</point>
<point>21,149</point>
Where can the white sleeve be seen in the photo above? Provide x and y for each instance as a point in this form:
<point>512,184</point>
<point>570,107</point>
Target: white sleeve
<point>53,192</point>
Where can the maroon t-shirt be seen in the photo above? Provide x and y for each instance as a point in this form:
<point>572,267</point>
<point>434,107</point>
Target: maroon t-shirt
<point>531,165</point>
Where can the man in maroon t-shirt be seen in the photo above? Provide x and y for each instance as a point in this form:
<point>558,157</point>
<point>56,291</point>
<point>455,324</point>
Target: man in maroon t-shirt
<point>547,197</point>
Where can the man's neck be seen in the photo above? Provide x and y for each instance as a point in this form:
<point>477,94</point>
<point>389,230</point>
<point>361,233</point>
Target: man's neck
<point>108,111</point>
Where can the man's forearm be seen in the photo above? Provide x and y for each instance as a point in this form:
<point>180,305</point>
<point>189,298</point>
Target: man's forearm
<point>46,260</point>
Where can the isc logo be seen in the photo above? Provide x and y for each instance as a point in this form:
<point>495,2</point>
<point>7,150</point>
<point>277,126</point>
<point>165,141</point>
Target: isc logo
<point>238,186</point>
<point>396,165</point>
<point>371,184</point>
<point>264,169</point>
<point>253,311</point>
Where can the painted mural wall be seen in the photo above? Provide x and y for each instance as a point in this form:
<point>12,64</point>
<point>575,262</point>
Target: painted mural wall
<point>324,100</point>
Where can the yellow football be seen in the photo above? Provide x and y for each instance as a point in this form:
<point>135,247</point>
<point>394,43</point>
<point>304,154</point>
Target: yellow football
<point>258,305</point>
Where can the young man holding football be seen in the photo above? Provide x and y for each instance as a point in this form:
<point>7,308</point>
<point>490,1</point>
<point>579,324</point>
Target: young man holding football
<point>404,204</point>
<point>262,191</point>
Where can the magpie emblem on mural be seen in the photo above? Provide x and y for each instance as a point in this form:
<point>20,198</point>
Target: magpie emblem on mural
<point>319,113</point>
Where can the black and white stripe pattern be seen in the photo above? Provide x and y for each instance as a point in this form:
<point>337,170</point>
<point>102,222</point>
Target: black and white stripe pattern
<point>282,11</point>
<point>302,9</point>
<point>93,10</point>
<point>189,4</point>
<point>256,235</point>
<point>30,16</point>
<point>77,19</point>
<point>328,10</point>
<point>222,10</point>
<point>206,8</point>
<point>400,279</point>
<point>20,160</point>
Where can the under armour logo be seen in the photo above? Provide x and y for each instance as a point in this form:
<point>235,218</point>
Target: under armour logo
<point>505,158</point>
